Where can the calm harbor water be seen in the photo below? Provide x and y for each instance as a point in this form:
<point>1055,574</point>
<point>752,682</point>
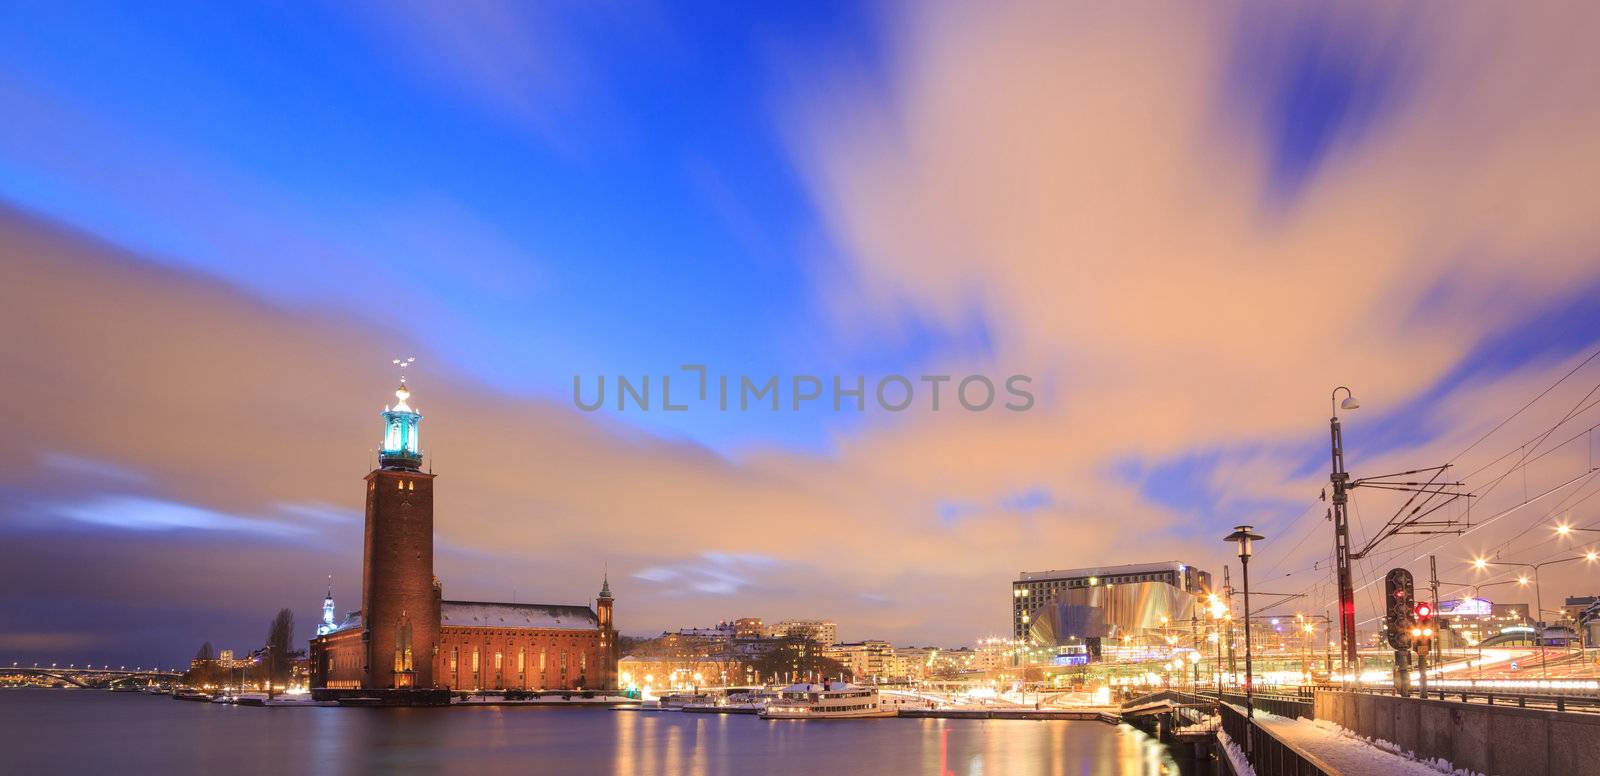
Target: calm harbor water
<point>91,731</point>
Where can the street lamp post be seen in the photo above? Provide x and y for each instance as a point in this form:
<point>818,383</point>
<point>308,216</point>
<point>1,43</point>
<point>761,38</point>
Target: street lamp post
<point>1243,536</point>
<point>1341,533</point>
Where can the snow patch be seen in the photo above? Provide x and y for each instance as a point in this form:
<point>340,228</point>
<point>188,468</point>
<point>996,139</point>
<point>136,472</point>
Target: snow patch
<point>1236,758</point>
<point>1437,763</point>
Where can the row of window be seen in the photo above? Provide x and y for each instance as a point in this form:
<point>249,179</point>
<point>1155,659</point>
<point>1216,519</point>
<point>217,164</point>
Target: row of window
<point>522,658</point>
<point>851,707</point>
<point>1163,576</point>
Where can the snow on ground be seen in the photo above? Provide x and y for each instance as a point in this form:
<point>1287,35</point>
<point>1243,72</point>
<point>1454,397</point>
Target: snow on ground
<point>1241,766</point>
<point>1349,753</point>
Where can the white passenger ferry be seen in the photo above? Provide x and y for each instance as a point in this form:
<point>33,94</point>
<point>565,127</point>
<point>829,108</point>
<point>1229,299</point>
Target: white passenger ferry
<point>834,700</point>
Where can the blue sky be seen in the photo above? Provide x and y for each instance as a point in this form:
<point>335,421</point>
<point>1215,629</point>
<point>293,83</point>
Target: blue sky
<point>647,215</point>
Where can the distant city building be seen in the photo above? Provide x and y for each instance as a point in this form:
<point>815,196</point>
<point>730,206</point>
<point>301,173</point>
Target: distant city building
<point>1078,609</point>
<point>822,632</point>
<point>1467,621</point>
<point>993,653</point>
<point>749,628</point>
<point>407,636</point>
<point>1576,605</point>
<point>868,661</point>
<point>722,630</point>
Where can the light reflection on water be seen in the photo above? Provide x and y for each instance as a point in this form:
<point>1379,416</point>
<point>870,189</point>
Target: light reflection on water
<point>84,730</point>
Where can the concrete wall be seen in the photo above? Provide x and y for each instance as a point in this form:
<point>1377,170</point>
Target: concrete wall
<point>1495,740</point>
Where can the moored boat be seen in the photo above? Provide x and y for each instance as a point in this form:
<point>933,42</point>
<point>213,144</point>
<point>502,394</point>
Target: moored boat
<point>834,700</point>
<point>680,700</point>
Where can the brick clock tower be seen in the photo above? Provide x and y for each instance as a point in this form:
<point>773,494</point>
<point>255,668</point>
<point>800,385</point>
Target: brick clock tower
<point>399,595</point>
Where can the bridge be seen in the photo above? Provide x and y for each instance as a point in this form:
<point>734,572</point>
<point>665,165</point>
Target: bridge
<point>1307,730</point>
<point>91,676</point>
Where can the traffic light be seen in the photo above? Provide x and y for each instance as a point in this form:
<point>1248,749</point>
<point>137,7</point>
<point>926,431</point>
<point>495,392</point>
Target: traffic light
<point>1398,615</point>
<point>1422,619</point>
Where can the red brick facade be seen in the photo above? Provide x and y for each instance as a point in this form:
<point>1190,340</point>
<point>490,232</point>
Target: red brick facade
<point>398,595</point>
<point>486,659</point>
<point>522,659</point>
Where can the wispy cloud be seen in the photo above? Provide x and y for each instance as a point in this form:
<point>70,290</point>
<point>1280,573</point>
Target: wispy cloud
<point>716,573</point>
<point>103,470</point>
<point>136,513</point>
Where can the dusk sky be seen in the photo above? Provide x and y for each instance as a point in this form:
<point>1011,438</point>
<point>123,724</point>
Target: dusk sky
<point>1186,226</point>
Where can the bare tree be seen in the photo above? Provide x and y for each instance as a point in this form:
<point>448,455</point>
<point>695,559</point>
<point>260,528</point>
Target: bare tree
<point>204,670</point>
<point>280,634</point>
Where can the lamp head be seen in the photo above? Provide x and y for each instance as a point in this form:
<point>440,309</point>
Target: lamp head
<point>1350,403</point>
<point>1243,535</point>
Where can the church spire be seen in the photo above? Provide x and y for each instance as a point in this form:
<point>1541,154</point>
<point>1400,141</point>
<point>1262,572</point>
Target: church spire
<point>605,585</point>
<point>327,625</point>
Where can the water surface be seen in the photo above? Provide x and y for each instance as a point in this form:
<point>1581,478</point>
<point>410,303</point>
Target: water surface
<point>82,731</point>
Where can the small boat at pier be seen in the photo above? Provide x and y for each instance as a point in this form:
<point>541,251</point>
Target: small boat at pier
<point>834,700</point>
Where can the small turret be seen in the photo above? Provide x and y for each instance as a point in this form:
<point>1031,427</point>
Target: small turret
<point>602,603</point>
<point>327,625</point>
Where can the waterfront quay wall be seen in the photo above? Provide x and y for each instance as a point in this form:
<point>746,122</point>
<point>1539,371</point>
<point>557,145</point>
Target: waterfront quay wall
<point>1494,740</point>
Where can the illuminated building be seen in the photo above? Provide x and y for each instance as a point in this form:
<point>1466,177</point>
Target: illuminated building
<point>405,635</point>
<point>868,661</point>
<point>1467,621</point>
<point>1077,610</point>
<point>822,632</point>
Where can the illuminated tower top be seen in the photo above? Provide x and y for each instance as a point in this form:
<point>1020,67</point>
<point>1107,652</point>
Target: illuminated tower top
<point>402,447</point>
<point>327,625</point>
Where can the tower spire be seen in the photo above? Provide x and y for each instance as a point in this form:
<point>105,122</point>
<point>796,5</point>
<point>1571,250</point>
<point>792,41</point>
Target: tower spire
<point>327,625</point>
<point>401,447</point>
<point>605,583</point>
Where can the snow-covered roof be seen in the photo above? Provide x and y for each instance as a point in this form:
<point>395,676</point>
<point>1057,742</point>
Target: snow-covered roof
<point>352,621</point>
<point>496,615</point>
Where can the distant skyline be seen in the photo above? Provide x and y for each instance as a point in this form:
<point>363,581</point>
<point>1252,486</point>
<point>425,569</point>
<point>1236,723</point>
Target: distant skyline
<point>1187,226</point>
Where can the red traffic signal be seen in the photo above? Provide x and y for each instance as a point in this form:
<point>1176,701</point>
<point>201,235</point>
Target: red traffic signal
<point>1423,611</point>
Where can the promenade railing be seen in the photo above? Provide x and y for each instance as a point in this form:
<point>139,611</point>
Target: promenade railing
<point>1268,753</point>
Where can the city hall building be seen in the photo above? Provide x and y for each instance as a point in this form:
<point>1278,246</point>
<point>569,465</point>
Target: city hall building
<point>407,635</point>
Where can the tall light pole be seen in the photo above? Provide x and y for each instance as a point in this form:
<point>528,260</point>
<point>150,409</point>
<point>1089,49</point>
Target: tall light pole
<point>1341,533</point>
<point>1243,536</point>
<point>1538,601</point>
